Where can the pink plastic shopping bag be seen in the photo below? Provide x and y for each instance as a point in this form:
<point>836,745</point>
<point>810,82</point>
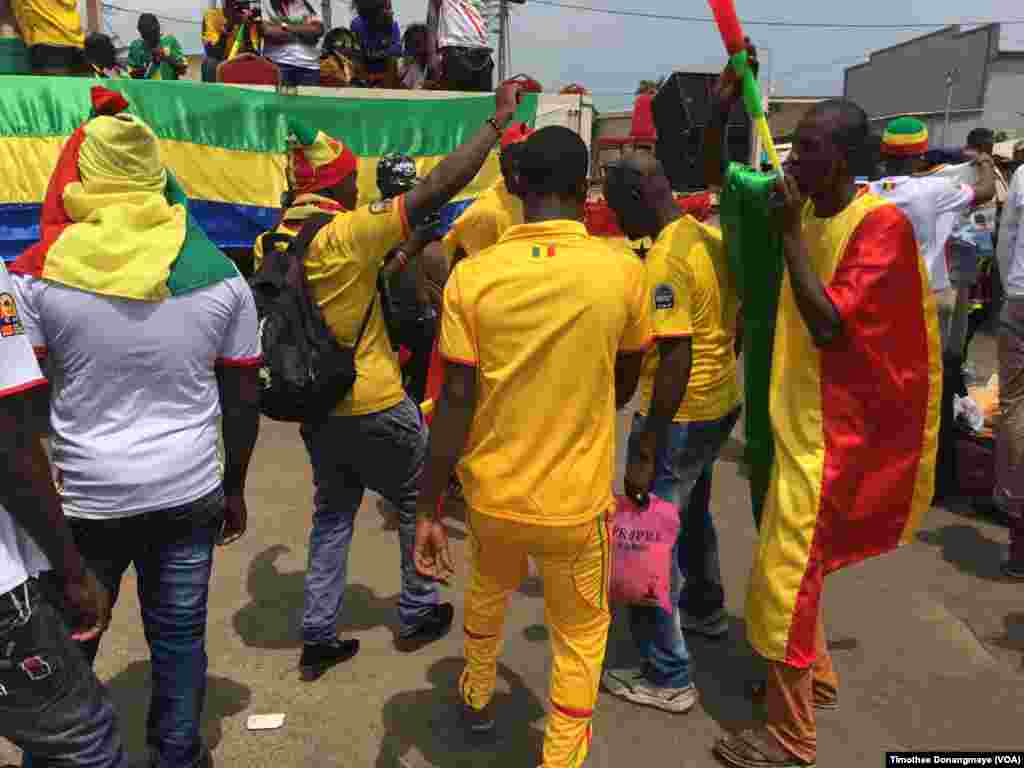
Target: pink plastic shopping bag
<point>642,542</point>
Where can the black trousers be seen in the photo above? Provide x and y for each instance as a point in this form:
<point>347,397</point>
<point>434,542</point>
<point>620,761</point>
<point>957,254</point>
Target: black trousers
<point>467,69</point>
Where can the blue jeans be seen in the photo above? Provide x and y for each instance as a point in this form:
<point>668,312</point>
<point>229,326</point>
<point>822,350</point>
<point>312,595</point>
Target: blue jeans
<point>296,76</point>
<point>172,551</point>
<point>59,714</point>
<point>384,452</point>
<point>683,463</point>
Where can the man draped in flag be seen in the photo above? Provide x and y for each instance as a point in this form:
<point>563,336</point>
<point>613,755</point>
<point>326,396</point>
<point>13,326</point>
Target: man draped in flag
<point>121,271</point>
<point>856,376</point>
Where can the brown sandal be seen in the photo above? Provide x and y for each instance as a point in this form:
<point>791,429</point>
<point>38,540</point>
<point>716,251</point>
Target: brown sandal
<point>750,749</point>
<point>757,689</point>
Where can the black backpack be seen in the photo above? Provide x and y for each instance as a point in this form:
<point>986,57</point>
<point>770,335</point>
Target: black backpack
<point>305,372</point>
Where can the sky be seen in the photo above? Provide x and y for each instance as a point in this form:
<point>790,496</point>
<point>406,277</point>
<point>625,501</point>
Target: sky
<point>611,54</point>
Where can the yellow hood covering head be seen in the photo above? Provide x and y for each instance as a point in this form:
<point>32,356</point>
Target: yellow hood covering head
<point>120,153</point>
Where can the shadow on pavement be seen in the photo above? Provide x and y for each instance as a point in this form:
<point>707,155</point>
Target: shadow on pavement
<point>130,690</point>
<point>274,617</point>
<point>423,730</point>
<point>1013,638</point>
<point>965,547</point>
<point>722,672</point>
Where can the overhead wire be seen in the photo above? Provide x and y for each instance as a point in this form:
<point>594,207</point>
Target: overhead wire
<point>161,16</point>
<point>767,22</point>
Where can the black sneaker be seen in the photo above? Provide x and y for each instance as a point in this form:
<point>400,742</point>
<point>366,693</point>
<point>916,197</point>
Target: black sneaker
<point>478,721</point>
<point>434,626</point>
<point>317,659</point>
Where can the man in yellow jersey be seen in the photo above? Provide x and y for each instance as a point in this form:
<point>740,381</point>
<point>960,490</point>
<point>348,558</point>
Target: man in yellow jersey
<point>531,424</point>
<point>855,386</point>
<point>375,438</point>
<point>689,407</point>
<point>52,30</point>
<point>482,224</point>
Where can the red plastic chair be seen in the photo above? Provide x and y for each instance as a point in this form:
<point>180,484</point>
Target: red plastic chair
<point>642,132</point>
<point>249,69</point>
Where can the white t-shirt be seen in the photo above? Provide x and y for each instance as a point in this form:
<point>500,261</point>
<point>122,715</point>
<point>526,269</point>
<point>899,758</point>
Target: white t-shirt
<point>296,53</point>
<point>1011,244</point>
<point>932,205</point>
<point>20,558</point>
<point>461,23</point>
<point>135,404</point>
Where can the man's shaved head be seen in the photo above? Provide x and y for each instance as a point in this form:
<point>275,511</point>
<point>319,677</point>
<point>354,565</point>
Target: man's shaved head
<point>829,146</point>
<point>644,163</point>
<point>637,188</point>
<point>849,126</point>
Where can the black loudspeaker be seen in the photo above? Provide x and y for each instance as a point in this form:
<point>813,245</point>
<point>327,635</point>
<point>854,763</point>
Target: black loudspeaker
<point>682,108</point>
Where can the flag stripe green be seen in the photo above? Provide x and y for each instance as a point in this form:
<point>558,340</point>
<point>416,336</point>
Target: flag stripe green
<point>253,121</point>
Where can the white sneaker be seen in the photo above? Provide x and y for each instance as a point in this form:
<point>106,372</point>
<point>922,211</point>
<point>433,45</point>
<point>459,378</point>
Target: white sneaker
<point>633,685</point>
<point>714,626</point>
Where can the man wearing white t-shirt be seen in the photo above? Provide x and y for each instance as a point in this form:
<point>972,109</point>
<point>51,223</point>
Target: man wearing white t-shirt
<point>51,704</point>
<point>463,43</point>
<point>290,38</point>
<point>145,361</point>
<point>934,205</point>
<point>1009,492</point>
<point>931,204</point>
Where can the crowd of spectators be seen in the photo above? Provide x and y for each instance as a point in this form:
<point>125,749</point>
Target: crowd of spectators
<point>451,51</point>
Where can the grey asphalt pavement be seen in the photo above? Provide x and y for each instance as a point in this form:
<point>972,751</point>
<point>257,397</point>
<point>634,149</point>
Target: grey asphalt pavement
<point>929,645</point>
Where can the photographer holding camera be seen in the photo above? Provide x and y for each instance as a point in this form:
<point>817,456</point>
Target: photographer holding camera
<point>293,32</point>
<point>230,32</point>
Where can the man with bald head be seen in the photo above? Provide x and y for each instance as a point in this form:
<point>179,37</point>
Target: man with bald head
<point>853,400</point>
<point>689,406</point>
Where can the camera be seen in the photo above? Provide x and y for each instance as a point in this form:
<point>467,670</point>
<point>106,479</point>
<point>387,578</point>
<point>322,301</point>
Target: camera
<point>252,10</point>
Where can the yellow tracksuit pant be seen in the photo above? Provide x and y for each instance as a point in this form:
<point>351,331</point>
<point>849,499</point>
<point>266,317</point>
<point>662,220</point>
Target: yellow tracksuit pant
<point>575,563</point>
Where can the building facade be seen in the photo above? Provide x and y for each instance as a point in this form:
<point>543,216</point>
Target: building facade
<point>911,79</point>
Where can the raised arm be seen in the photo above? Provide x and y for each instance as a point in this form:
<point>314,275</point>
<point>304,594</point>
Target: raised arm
<point>458,169</point>
<point>727,92</point>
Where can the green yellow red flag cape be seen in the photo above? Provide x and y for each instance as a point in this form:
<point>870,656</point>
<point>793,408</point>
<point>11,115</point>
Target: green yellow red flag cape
<point>845,435</point>
<point>199,262</point>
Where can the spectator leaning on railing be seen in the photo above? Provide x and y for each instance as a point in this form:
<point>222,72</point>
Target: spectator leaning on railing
<point>155,56</point>
<point>292,33</point>
<point>381,40</point>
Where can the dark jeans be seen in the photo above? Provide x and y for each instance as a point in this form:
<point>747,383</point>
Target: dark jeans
<point>172,551</point>
<point>384,452</point>
<point>683,463</point>
<point>296,76</point>
<point>467,69</point>
<point>51,704</point>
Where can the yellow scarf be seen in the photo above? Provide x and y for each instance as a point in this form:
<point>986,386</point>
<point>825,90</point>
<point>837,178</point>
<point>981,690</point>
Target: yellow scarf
<point>126,236</point>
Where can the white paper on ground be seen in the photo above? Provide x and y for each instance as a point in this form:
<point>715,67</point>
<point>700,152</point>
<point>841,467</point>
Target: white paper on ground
<point>265,722</point>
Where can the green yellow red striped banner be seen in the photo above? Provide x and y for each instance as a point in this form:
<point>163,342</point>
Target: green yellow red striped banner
<point>225,145</point>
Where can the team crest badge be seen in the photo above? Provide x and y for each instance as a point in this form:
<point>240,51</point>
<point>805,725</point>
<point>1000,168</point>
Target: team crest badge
<point>10,323</point>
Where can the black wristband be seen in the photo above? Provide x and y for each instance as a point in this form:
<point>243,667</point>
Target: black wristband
<point>494,124</point>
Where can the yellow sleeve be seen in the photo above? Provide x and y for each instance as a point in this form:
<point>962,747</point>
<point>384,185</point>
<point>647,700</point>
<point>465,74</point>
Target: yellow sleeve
<point>668,283</point>
<point>366,234</point>
<point>457,341</point>
<point>639,331</point>
<point>213,26</point>
<point>257,253</point>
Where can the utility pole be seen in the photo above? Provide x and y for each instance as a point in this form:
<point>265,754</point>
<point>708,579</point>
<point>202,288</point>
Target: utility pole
<point>502,38</point>
<point>93,16</point>
<point>326,15</point>
<point>951,78</point>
